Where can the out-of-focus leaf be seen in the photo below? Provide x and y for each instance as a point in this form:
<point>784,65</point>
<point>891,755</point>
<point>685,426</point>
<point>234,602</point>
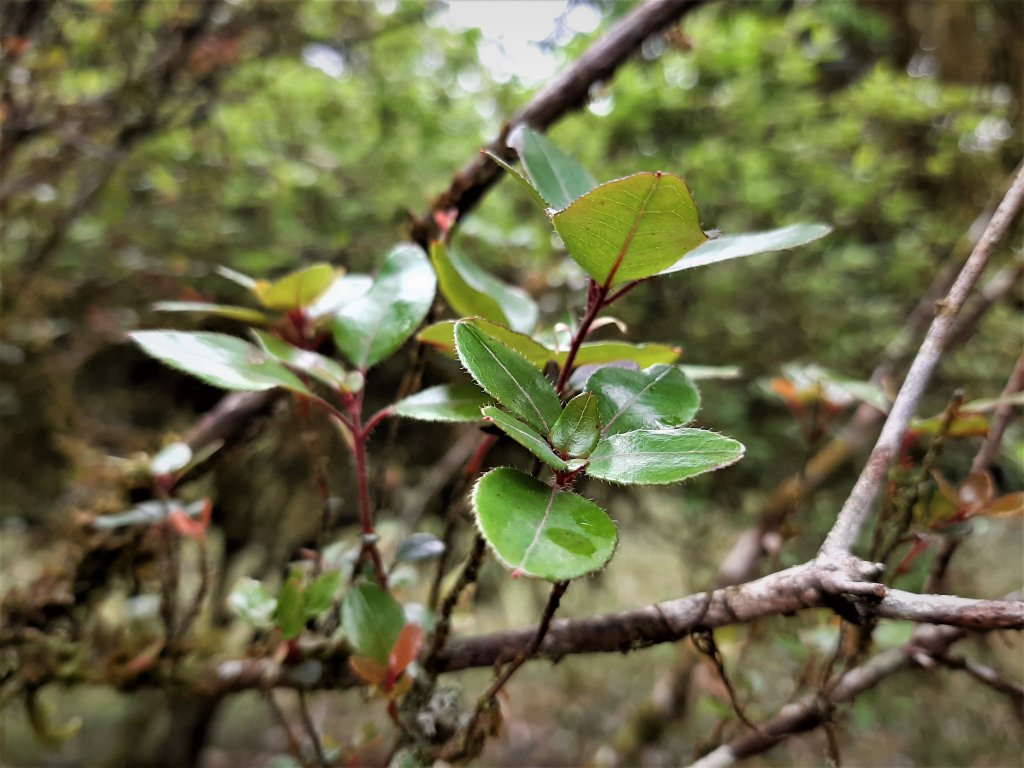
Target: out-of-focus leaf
<point>471,291</point>
<point>244,314</point>
<point>1004,506</point>
<point>598,352</point>
<point>148,512</point>
<point>508,377</point>
<point>290,614</point>
<point>238,278</point>
<point>539,531</point>
<point>445,402</point>
<point>708,372</point>
<point>419,547</point>
<point>749,244</point>
<point>298,289</point>
<point>963,425</point>
<point>171,459</point>
<point>654,457</point>
<point>660,397</point>
<point>320,594</point>
<point>321,368</point>
<point>376,324</point>
<point>368,670</point>
<point>344,290</point>
<point>631,228</point>
<point>252,603</point>
<point>218,359</point>
<point>579,427</point>
<point>991,403</point>
<point>407,648</point>
<point>527,437</point>
<point>372,620</point>
<point>557,177</point>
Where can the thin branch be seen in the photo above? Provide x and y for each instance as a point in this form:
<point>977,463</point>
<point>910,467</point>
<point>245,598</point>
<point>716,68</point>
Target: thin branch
<point>985,675</point>
<point>844,534</point>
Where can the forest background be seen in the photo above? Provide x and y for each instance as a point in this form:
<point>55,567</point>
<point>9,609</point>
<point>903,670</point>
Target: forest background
<point>295,132</point>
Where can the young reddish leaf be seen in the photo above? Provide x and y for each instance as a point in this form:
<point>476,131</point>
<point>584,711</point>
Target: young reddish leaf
<point>407,648</point>
<point>1004,506</point>
<point>186,526</point>
<point>368,670</point>
<point>976,492</point>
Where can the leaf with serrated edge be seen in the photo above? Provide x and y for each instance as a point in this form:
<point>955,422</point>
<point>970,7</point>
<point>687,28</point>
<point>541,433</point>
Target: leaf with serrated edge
<point>749,244</point>
<point>656,457</point>
<point>446,402</point>
<point>218,359</point>
<point>508,377</point>
<point>527,437</point>
<point>321,368</point>
<point>631,228</point>
<point>472,291</point>
<point>558,178</point>
<point>578,428</point>
<point>520,179</point>
<point>535,530</point>
<point>657,398</point>
<point>297,289</point>
<point>376,324</point>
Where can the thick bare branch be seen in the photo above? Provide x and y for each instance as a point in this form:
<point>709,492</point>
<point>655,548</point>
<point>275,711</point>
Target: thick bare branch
<point>844,534</point>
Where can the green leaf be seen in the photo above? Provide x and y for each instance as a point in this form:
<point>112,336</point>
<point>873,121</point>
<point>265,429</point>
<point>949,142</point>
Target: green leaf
<point>528,438</point>
<point>238,278</point>
<point>557,177</point>
<point>655,457</point>
<point>376,324</point>
<point>290,615</point>
<point>243,314</point>
<point>447,402</point>
<point>442,336</point>
<point>660,397</point>
<point>419,547</point>
<point>578,428</point>
<point>296,290</point>
<point>252,603</point>
<point>344,290</point>
<point>372,620</point>
<point>524,182</point>
<point>321,368</point>
<point>706,372</point>
<point>470,290</point>
<point>631,228</point>
<point>644,355</point>
<point>540,531</point>
<point>320,594</point>
<point>508,377</point>
<point>218,359</point>
<point>749,244</point>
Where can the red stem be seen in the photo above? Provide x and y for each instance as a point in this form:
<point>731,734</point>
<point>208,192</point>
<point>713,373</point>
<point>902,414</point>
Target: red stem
<point>595,303</point>
<point>359,437</point>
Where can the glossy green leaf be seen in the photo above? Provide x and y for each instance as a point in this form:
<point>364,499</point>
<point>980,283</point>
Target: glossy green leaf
<point>446,402</point>
<point>470,290</point>
<point>419,547</point>
<point>244,314</point>
<point>290,614</point>
<point>372,620</point>
<point>527,437</point>
<point>441,336</point>
<point>320,594</point>
<point>749,244</point>
<point>524,182</point>
<point>508,377</point>
<point>345,289</point>
<point>321,368</point>
<point>221,360</point>
<point>376,324</point>
<point>296,290</point>
<point>654,457</point>
<point>631,228</point>
<point>252,603</point>
<point>557,177</point>
<point>660,397</point>
<point>599,352</point>
<point>579,427</point>
<point>535,530</point>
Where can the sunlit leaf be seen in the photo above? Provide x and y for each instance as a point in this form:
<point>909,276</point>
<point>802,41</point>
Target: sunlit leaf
<point>660,397</point>
<point>631,228</point>
<point>535,530</point>
<point>377,323</point>
<point>749,244</point>
<point>520,179</point>
<point>557,177</point>
<point>446,402</point>
<point>654,457</point>
<point>372,620</point>
<point>244,314</point>
<point>508,377</point>
<point>471,291</point>
<point>321,368</point>
<point>599,352</point>
<point>298,289</point>
<point>345,289</point>
<point>527,437</point>
<point>578,428</point>
<point>252,603</point>
<point>221,360</point>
